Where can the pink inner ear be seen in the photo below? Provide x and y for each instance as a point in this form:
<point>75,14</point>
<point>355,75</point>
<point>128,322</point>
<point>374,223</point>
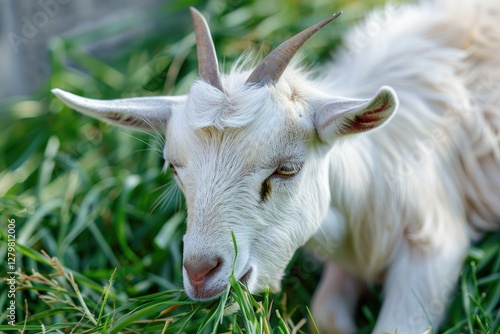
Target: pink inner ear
<point>337,115</point>
<point>350,116</point>
<point>127,120</point>
<point>372,116</point>
<point>365,120</point>
<point>114,116</point>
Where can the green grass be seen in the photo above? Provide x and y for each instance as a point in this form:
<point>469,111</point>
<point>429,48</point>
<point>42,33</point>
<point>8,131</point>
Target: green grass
<point>98,253</point>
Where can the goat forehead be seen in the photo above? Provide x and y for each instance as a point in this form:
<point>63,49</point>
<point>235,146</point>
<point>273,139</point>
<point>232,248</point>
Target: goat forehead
<point>240,105</point>
<point>248,124</point>
<point>231,109</point>
<point>257,145</point>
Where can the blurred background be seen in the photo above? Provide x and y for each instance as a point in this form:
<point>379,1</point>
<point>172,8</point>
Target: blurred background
<point>103,28</point>
<point>32,32</point>
<point>94,196</point>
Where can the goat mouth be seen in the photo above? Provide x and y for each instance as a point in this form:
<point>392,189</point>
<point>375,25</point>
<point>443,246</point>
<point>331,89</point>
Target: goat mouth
<point>210,294</point>
<point>204,295</point>
<point>246,276</point>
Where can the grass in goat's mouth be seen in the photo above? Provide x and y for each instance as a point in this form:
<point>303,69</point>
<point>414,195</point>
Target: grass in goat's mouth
<point>168,311</point>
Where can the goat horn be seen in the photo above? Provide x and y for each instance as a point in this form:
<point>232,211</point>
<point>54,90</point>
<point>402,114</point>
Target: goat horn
<point>272,67</point>
<point>207,58</point>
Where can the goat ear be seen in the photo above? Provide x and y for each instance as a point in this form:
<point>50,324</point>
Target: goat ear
<point>344,117</point>
<point>140,113</point>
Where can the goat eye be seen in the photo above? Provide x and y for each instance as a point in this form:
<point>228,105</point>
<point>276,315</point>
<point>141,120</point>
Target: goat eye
<point>287,169</point>
<point>172,168</point>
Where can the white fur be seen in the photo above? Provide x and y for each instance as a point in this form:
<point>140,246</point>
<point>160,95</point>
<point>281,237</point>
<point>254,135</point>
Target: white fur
<point>398,205</point>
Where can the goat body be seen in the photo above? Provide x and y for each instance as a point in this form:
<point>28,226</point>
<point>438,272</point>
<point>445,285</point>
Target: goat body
<point>294,161</point>
<point>410,197</point>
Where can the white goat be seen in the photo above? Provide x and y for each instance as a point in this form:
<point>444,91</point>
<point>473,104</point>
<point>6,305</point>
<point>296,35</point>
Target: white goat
<point>279,158</point>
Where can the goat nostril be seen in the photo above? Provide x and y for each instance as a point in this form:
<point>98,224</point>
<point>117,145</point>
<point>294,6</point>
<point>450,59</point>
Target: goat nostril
<point>202,269</point>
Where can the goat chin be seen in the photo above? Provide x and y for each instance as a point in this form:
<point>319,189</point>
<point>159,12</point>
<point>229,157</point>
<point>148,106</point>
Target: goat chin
<point>387,162</point>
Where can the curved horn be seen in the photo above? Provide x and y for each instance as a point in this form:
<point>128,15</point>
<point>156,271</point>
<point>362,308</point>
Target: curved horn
<point>272,67</point>
<point>207,58</point>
